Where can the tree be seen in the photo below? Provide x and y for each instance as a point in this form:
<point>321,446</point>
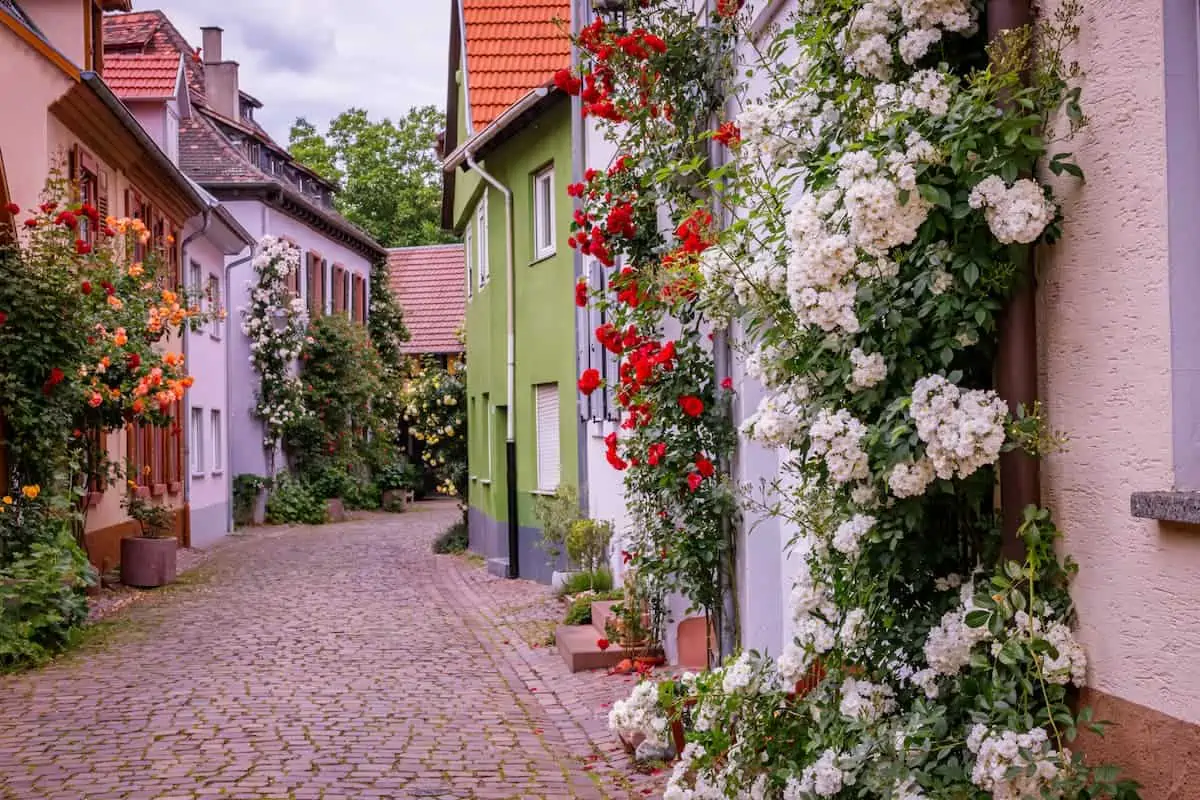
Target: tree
<point>389,173</point>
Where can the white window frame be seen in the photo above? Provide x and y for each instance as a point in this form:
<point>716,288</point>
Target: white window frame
<point>196,450</point>
<point>543,226</point>
<point>491,435</point>
<point>217,434</point>
<point>547,421</point>
<point>469,244</point>
<point>481,241</point>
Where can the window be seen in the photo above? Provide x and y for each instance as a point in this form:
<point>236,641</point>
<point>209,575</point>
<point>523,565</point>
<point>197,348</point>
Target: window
<point>194,280</point>
<point>313,278</point>
<point>548,461</point>
<point>486,408</point>
<point>469,244</point>
<point>213,298</point>
<point>172,135</point>
<point>346,299</point>
<point>198,441</point>
<point>218,442</point>
<point>543,213</point>
<point>481,241</point>
<point>85,173</point>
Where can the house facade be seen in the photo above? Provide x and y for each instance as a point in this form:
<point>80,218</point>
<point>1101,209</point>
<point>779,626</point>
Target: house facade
<point>154,88</point>
<point>268,193</point>
<point>508,159</point>
<point>60,115</point>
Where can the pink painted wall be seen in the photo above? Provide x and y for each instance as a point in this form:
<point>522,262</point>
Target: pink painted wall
<point>1105,343</point>
<point>62,22</point>
<point>25,132</point>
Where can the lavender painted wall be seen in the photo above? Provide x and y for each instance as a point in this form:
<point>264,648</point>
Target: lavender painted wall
<point>260,220</point>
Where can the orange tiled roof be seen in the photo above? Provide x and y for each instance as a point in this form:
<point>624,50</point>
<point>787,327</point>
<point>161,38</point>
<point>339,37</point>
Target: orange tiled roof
<point>134,77</point>
<point>513,47</point>
<point>430,284</point>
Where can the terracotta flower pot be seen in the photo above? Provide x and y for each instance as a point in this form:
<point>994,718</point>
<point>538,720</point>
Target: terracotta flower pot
<point>147,563</point>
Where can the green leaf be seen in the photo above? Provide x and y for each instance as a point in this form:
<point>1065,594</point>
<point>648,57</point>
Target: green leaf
<point>977,618</point>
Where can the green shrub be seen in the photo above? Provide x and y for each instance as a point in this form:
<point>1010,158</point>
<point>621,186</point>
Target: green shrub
<point>597,580</point>
<point>454,540</point>
<point>580,610</point>
<point>362,495</point>
<point>587,543</point>
<point>399,475</point>
<point>42,601</point>
<point>245,495</point>
<point>556,512</point>
<point>293,502</point>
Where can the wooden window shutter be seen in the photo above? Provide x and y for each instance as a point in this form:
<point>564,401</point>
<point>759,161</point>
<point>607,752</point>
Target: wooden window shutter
<point>102,194</point>
<point>546,404</point>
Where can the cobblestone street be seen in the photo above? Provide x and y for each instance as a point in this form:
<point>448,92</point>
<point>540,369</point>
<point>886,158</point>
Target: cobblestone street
<point>339,662</point>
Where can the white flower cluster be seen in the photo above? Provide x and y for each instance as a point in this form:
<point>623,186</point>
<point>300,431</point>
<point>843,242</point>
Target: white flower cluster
<point>824,778</point>
<point>1070,665</point>
<point>869,369</point>
<point>920,23</point>
<point>750,673</point>
<point>847,539</point>
<point>837,438</point>
<point>641,713</point>
<point>962,430</point>
<point>865,701</point>
<point>1010,765</point>
<point>780,417</point>
<point>774,133</point>
<point>949,644</point>
<point>1015,214</point>
<point>911,478</point>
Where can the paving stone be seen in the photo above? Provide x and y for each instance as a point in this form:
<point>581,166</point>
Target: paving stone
<point>319,663</point>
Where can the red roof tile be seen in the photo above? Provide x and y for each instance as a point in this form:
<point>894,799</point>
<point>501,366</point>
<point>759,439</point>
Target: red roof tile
<point>430,284</point>
<point>137,77</point>
<point>513,47</point>
<point>151,33</point>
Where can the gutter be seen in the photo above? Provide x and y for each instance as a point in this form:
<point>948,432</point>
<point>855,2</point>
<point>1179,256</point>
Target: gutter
<point>510,297</point>
<point>578,160</point>
<point>229,389</point>
<point>100,88</point>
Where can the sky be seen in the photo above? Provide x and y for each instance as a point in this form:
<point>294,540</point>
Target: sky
<point>316,58</point>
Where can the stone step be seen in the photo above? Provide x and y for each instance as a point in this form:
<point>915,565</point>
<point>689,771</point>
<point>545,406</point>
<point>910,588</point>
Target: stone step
<point>497,567</point>
<point>601,613</point>
<point>577,645</point>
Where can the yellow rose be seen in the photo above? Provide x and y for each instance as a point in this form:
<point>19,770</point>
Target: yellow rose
<point>31,491</point>
<point>8,501</point>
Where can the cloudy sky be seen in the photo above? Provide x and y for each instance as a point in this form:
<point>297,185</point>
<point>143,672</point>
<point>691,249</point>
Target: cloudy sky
<point>316,58</point>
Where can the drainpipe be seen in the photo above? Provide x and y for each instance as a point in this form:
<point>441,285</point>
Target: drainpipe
<point>186,466</point>
<point>1016,363</point>
<point>229,394</point>
<point>510,442</point>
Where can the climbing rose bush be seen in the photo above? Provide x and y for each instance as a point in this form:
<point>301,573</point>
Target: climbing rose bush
<point>882,196</point>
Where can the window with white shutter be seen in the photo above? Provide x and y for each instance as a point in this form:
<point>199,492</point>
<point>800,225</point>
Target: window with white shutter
<point>481,241</point>
<point>546,403</point>
<point>543,213</point>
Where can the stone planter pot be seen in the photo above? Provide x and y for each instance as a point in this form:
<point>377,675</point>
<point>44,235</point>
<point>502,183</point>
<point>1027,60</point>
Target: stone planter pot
<point>559,579</point>
<point>394,500</point>
<point>335,510</point>
<point>147,563</point>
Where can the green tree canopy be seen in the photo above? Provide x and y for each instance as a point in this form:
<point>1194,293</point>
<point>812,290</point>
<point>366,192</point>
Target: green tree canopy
<point>388,172</point>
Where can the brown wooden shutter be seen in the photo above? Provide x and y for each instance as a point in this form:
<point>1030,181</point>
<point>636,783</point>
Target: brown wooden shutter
<point>102,194</point>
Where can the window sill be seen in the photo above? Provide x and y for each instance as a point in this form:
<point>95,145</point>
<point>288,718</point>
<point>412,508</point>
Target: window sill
<point>217,473</point>
<point>199,475</point>
<point>540,257</point>
<point>1166,506</point>
<point>543,492</point>
<point>175,487</point>
<point>485,481</point>
<point>143,492</point>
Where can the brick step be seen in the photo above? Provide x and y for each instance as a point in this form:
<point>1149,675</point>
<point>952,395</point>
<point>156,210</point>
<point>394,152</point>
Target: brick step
<point>577,645</point>
<point>601,613</point>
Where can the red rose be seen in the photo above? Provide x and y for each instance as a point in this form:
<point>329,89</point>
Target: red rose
<point>31,223</point>
<point>728,134</point>
<point>86,287</point>
<point>3,317</point>
<point>627,556</point>
<point>728,8</point>
<point>13,208</point>
<point>581,294</point>
<point>67,220</point>
<point>48,207</point>
<point>616,461</point>
<point>692,406</point>
<point>704,467</point>
<point>589,381</point>
<point>82,247</point>
<point>134,361</point>
<point>694,480</point>
<point>727,383</point>
<point>602,644</point>
<point>656,454</point>
<point>567,82</point>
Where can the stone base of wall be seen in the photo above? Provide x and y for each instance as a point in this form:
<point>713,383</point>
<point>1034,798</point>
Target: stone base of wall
<point>1158,751</point>
<point>489,538</point>
<point>209,524</point>
<point>104,544</point>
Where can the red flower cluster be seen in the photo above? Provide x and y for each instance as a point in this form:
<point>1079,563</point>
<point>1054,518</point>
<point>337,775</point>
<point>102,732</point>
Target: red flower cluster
<point>615,341</point>
<point>82,247</point>
<point>86,287</point>
<point>628,290</point>
<point>657,452</point>
<point>695,233</point>
<point>614,459</point>
<point>728,134</point>
<point>13,208</point>
<point>56,377</point>
<point>729,8</point>
<point>589,381</point>
<point>581,294</point>
<point>67,220</point>
<point>692,406</point>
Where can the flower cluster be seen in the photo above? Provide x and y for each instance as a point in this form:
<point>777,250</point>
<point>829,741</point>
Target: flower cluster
<point>962,431</point>
<point>640,713</point>
<point>1017,213</point>
<point>1013,765</point>
<point>434,403</point>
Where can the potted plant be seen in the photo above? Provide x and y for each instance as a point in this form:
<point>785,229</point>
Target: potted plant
<point>636,622</point>
<point>398,483</point>
<point>148,558</point>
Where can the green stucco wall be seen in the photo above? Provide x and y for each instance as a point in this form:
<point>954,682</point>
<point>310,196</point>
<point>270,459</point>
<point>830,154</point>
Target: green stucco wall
<point>545,316</point>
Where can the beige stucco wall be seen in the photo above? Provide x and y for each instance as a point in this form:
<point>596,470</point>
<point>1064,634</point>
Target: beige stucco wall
<point>62,22</point>
<point>1105,362</point>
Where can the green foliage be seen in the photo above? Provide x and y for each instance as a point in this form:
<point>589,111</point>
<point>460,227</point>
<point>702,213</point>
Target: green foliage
<point>579,612</point>
<point>400,474</point>
<point>246,488</point>
<point>291,502</point>
<point>43,603</point>
<point>456,539</point>
<point>595,580</point>
<point>587,544</point>
<point>556,513</point>
<point>435,408</point>
<point>154,520</point>
<point>389,173</point>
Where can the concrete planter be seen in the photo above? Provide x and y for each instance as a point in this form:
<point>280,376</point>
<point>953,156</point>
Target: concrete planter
<point>147,563</point>
<point>395,500</point>
<point>559,579</point>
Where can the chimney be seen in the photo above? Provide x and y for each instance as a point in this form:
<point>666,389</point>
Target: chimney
<point>212,44</point>
<point>220,77</point>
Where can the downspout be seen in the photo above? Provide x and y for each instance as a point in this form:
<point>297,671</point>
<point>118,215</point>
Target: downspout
<point>229,392</point>
<point>578,160</point>
<point>1017,359</point>
<point>510,442</point>
<point>186,466</point>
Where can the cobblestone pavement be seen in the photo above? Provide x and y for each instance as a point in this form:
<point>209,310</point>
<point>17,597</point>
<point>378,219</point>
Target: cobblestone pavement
<point>343,662</point>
